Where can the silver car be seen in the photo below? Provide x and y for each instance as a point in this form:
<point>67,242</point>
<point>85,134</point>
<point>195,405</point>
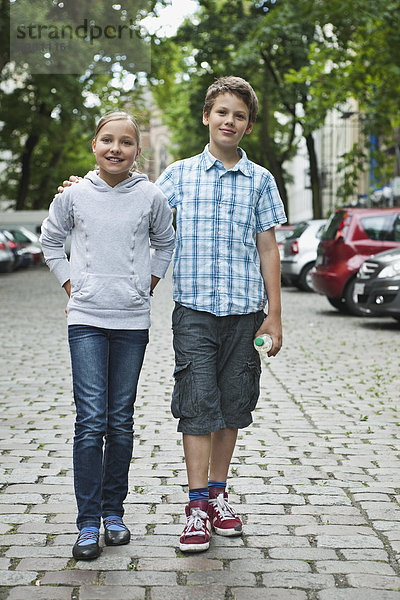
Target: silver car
<point>300,253</point>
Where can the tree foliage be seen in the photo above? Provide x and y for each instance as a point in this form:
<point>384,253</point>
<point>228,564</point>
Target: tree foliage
<point>47,118</point>
<point>303,58</point>
<point>357,57</point>
<point>260,41</point>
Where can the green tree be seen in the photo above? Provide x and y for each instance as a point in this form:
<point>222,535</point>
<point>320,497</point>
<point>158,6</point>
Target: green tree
<point>304,58</point>
<point>357,56</point>
<point>261,41</point>
<point>47,118</point>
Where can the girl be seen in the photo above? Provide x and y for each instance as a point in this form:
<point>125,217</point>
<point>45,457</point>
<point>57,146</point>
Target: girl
<point>114,216</point>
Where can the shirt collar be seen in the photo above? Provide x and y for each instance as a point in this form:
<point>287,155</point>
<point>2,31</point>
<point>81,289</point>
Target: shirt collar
<point>242,165</point>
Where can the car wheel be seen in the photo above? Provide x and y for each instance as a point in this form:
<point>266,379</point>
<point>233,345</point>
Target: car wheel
<point>339,304</point>
<point>352,306</point>
<point>304,282</point>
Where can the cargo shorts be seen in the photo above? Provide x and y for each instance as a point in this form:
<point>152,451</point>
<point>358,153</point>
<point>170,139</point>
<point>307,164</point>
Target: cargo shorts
<point>217,370</point>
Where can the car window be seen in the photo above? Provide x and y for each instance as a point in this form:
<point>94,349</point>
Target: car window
<point>20,237</point>
<point>396,229</point>
<point>330,230</point>
<point>379,227</point>
<point>298,230</point>
<point>281,234</point>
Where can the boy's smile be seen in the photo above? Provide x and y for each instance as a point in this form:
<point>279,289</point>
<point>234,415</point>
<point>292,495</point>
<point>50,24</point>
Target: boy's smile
<point>228,121</point>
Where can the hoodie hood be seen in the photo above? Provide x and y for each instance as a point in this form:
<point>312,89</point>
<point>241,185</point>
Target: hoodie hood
<point>124,186</point>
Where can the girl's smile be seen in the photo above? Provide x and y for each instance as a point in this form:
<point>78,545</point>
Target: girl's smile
<point>115,149</point>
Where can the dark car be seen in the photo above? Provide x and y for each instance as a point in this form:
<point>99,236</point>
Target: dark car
<point>349,238</point>
<point>377,286</point>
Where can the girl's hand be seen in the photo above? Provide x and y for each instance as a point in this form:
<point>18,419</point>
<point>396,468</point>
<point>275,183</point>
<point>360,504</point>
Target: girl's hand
<point>67,288</point>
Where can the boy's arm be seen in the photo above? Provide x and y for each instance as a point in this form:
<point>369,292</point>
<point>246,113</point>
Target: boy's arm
<point>271,274</point>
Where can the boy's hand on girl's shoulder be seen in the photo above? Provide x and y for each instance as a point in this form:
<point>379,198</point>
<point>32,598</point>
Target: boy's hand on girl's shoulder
<point>68,182</point>
<point>273,327</point>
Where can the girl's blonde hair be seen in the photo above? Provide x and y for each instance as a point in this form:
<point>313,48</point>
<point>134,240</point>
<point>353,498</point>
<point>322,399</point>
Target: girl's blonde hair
<point>118,116</point>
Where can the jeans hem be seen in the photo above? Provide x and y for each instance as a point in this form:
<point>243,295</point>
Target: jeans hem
<point>88,524</point>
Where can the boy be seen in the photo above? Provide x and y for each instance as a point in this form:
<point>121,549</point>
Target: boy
<point>226,258</point>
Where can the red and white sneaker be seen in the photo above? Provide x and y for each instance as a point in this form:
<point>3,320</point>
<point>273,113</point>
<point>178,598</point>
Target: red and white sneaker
<point>196,535</point>
<point>224,521</point>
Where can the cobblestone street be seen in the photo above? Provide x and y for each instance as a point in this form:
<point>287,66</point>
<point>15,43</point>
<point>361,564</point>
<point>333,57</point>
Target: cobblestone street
<point>316,478</point>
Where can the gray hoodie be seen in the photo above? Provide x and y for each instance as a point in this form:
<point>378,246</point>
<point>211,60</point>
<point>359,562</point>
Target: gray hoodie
<point>110,266</point>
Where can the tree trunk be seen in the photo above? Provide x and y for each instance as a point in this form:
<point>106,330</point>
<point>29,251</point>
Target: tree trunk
<point>270,155</point>
<point>314,178</point>
<point>30,145</point>
<point>4,34</point>
<point>23,186</point>
<point>43,193</point>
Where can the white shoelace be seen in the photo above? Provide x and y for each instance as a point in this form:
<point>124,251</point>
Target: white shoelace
<point>196,520</point>
<point>223,508</point>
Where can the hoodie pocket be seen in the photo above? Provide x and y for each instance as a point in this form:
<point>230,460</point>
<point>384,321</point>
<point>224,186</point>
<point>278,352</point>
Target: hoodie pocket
<point>109,292</point>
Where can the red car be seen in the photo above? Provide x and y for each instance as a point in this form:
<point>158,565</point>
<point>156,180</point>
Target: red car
<point>350,236</point>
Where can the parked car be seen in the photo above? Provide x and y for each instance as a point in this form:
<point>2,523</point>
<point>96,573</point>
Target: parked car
<point>281,233</point>
<point>300,253</point>
<point>13,247</point>
<point>349,238</point>
<point>377,286</point>
<point>6,255</point>
<point>23,255</point>
<point>28,240</point>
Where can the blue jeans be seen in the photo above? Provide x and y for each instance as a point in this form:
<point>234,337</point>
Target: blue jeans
<point>106,364</point>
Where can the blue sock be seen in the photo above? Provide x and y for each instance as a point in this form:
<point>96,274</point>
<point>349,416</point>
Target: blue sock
<point>88,535</point>
<point>218,484</point>
<point>114,523</point>
<point>198,494</point>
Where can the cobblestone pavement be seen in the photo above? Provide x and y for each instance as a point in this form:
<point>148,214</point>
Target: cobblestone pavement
<point>316,477</point>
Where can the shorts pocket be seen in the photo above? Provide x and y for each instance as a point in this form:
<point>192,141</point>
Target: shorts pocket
<point>184,398</point>
<point>251,385</point>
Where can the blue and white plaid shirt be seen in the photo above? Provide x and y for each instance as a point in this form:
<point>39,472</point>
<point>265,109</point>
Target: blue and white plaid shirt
<point>218,214</point>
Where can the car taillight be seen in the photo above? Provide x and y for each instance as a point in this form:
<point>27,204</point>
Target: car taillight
<point>339,232</point>
<point>12,245</point>
<point>294,248</point>
<point>3,246</point>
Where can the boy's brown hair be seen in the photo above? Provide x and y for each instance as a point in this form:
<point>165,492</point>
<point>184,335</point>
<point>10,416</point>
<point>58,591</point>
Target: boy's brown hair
<point>232,85</point>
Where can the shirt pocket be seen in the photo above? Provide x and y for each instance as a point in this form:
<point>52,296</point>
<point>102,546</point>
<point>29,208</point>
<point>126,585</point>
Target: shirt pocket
<point>109,292</point>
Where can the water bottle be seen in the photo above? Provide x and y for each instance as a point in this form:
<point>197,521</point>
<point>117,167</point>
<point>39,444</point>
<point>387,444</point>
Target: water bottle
<point>263,343</point>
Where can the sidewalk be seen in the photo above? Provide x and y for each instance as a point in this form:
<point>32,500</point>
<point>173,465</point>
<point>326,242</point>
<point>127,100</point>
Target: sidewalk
<point>316,478</point>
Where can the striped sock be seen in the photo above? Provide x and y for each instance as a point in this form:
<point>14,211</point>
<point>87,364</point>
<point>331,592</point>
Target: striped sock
<point>198,494</point>
<point>217,484</point>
